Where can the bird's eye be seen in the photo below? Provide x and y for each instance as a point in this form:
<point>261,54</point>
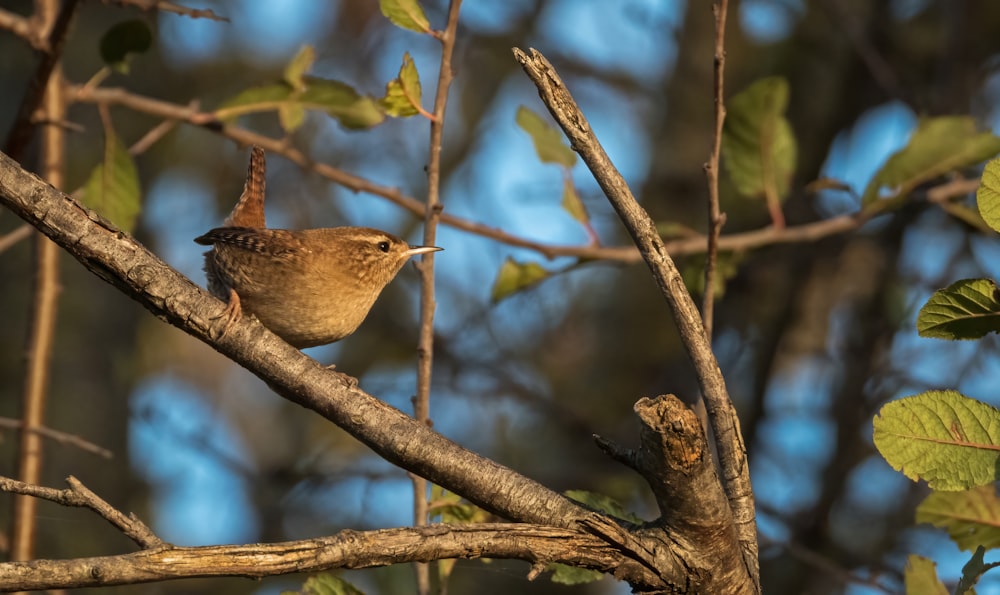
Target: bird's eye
<point>383,246</point>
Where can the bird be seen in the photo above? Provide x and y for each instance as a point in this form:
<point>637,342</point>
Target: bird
<point>310,287</point>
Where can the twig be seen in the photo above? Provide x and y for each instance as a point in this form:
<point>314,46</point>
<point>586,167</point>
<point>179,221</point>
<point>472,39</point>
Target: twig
<point>428,303</point>
<point>715,218</point>
<point>722,414</point>
<point>20,132</point>
<point>44,306</point>
<point>535,544</point>
<point>79,495</point>
<point>161,6</point>
<point>695,244</point>
<point>15,236</point>
<point>25,28</point>
<point>58,436</point>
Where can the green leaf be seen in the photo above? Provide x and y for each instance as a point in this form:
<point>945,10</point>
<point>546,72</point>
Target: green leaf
<point>448,507</point>
<point>603,503</point>
<point>123,39</point>
<point>966,309</point>
<point>727,264</point>
<point>571,575</point>
<point>988,195</point>
<point>299,66</point>
<point>516,276</point>
<point>937,146</point>
<point>758,145</point>
<point>572,203</point>
<point>338,100</point>
<point>326,584</point>
<point>942,437</point>
<point>921,577</point>
<point>291,116</point>
<point>113,186</point>
<point>548,140</point>
<point>971,518</point>
<point>406,14</point>
<point>403,93</point>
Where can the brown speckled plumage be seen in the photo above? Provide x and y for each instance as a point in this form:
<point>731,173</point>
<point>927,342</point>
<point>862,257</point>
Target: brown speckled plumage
<point>310,287</point>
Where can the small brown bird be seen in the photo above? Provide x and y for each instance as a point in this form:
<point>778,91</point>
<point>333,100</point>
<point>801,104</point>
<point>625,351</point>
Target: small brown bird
<point>310,287</point>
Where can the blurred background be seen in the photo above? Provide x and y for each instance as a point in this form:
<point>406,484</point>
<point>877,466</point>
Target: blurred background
<point>812,337</point>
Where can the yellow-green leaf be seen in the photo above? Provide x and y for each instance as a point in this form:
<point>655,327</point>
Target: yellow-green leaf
<point>966,309</point>
<point>758,145</point>
<point>340,101</point>
<point>113,186</point>
<point>548,141</point>
<point>572,203</point>
<point>937,146</point>
<point>942,437</point>
<point>449,507</point>
<point>563,574</point>
<point>603,503</point>
<point>921,577</point>
<point>515,276</point>
<point>326,584</point>
<point>406,14</point>
<point>403,93</point>
<point>123,40</point>
<point>291,116</point>
<point>988,195</point>
<point>971,518</point>
<point>727,264</point>
<point>299,66</point>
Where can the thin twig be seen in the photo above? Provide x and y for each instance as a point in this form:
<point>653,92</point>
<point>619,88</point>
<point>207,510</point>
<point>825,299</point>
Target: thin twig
<point>428,303</point>
<point>722,414</point>
<point>15,236</point>
<point>715,218</point>
<point>20,132</point>
<point>693,244</point>
<point>44,306</point>
<point>161,6</point>
<point>24,27</point>
<point>61,437</point>
<point>79,495</point>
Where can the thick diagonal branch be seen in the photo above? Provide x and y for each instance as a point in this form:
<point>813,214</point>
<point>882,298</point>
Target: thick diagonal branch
<point>117,258</point>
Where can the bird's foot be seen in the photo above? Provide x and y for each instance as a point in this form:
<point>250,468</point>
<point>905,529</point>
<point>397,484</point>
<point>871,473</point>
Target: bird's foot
<point>230,315</point>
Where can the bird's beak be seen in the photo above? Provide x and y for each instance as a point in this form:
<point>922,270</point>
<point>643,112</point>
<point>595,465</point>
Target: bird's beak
<point>414,250</point>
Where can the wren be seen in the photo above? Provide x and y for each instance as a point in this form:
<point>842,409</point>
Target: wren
<point>310,287</point>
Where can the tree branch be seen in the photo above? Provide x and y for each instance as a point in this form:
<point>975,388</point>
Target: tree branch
<point>428,302</point>
<point>79,495</point>
<point>715,217</point>
<point>722,414</point>
<point>695,244</point>
<point>348,549</point>
<point>656,551</point>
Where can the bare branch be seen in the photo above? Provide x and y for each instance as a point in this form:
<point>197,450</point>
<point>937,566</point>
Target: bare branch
<point>80,495</point>
<point>23,27</point>
<point>162,6</point>
<point>536,544</point>
<point>20,132</point>
<point>58,436</point>
<point>722,414</point>
<point>715,217</point>
<point>693,244</point>
<point>14,236</point>
<point>428,303</point>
